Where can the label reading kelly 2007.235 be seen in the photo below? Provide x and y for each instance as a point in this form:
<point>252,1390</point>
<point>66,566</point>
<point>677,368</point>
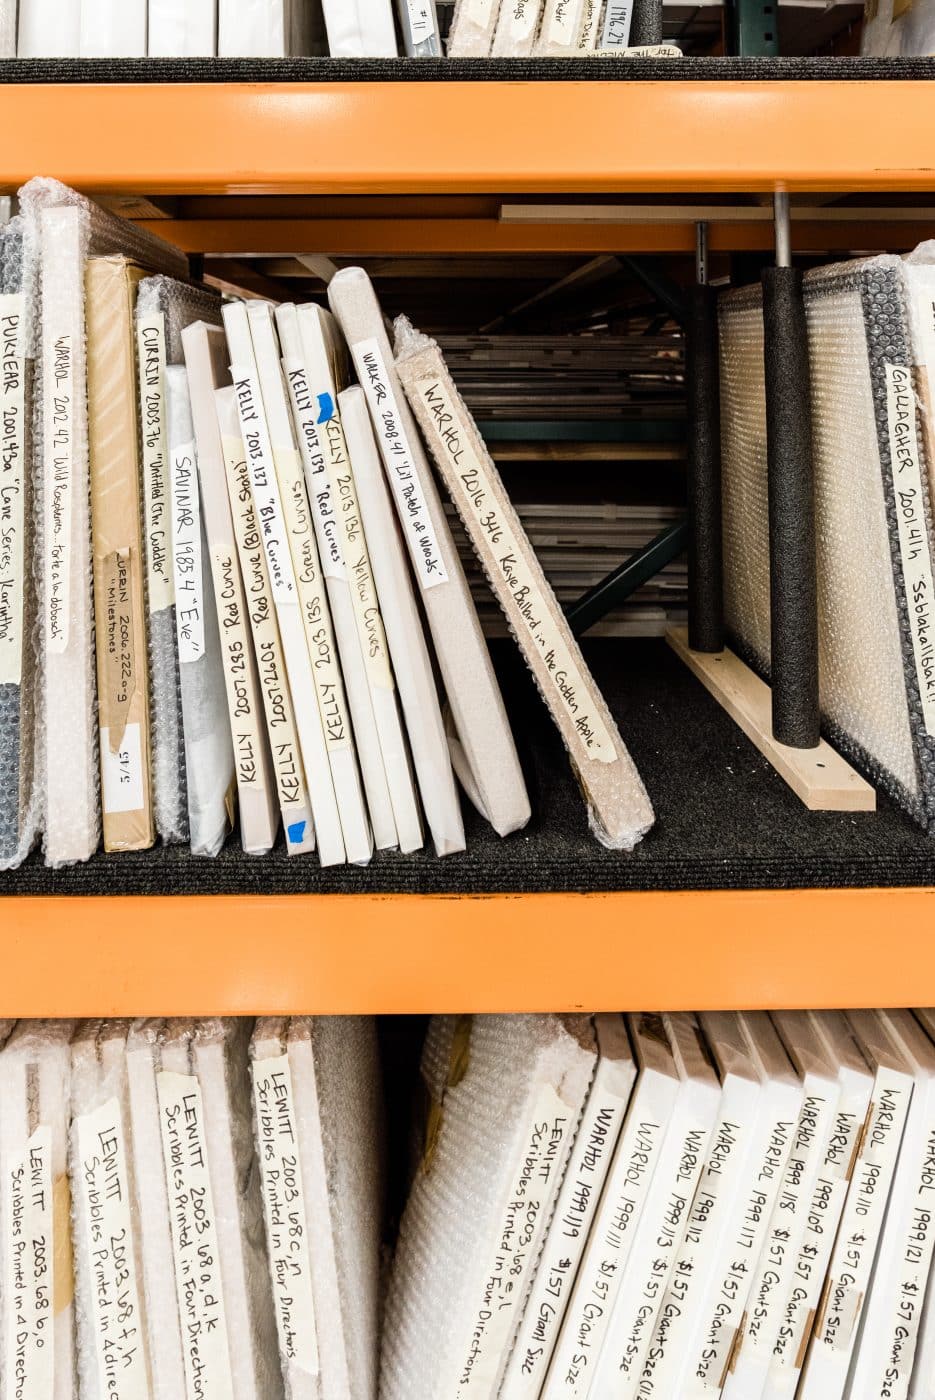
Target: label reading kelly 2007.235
<point>194,1236</point>
<point>12,487</point>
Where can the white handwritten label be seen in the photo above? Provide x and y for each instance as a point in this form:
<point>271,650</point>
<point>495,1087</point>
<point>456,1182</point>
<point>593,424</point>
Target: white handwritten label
<point>13,470</point>
<point>400,464</point>
<point>59,430</point>
<point>592,15</point>
<point>157,486</point>
<point>319,635</point>
<point>310,416</point>
<point>524,19</point>
<point>517,577</point>
<point>494,1316</point>
<point>29,1351</point>
<point>194,1237</point>
<point>286,1215</point>
<point>236,649</point>
<point>918,580</point>
<point>277,703</point>
<point>122,771</point>
<point>421,20</point>
<point>260,465</point>
<point>187,555</point>
<point>563,24</point>
<point>102,1189</point>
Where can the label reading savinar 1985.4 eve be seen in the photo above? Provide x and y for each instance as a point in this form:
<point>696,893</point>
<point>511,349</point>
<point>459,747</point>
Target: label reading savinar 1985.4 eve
<point>187,555</point>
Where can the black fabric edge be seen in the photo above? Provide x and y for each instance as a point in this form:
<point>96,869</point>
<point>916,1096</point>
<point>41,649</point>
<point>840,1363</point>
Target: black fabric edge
<point>364,70</point>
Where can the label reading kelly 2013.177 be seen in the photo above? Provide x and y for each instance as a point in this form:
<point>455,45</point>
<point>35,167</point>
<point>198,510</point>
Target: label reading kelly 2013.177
<point>193,1225</point>
<point>101,1186</point>
<point>12,486</point>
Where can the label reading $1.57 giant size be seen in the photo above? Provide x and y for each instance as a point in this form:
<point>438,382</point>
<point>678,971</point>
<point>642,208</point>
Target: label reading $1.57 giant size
<point>102,1191</point>
<point>194,1237</point>
<point>29,1350</point>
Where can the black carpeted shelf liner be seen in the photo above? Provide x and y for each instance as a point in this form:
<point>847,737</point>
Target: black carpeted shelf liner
<point>725,820</point>
<point>382,70</point>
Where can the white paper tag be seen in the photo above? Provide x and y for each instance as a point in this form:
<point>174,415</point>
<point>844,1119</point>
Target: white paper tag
<point>157,485</point>
<point>29,1352</point>
<point>310,416</point>
<point>592,15</point>
<point>59,430</point>
<point>13,468</point>
<point>524,16</point>
<point>496,541</point>
<point>122,772</point>
<point>187,556</point>
<point>194,1237</point>
<point>360,574</point>
<point>918,580</point>
<point>421,20</point>
<point>617,21</point>
<point>236,649</point>
<point>260,465</point>
<point>400,464</point>
<point>102,1188</point>
<point>522,1225</point>
<point>562,26</point>
<point>287,1219</point>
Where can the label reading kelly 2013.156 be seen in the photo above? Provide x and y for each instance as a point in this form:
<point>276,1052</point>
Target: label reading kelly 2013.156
<point>400,464</point>
<point>193,1225</point>
<point>918,580</point>
<point>12,486</point>
<point>102,1190</point>
<point>516,577</point>
<point>157,477</point>
<point>187,555</point>
<point>287,1220</point>
<point>29,1350</point>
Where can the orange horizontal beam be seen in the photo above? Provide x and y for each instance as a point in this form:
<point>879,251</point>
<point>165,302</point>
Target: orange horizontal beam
<point>378,237</point>
<point>361,953</point>
<point>472,137</point>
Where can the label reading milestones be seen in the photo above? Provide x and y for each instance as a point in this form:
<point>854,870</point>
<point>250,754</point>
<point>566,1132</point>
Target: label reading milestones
<point>29,1351</point>
<point>102,1190</point>
<point>12,488</point>
<point>157,486</point>
<point>194,1237</point>
<point>286,1214</point>
<point>400,465</point>
<point>186,555</point>
<point>496,540</point>
<point>59,385</point>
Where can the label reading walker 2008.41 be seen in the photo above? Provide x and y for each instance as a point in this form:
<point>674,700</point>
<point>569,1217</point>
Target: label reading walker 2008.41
<point>29,1346</point>
<point>102,1191</point>
<point>12,487</point>
<point>194,1237</point>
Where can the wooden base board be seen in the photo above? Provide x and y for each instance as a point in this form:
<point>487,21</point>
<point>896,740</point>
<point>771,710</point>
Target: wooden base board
<point>820,777</point>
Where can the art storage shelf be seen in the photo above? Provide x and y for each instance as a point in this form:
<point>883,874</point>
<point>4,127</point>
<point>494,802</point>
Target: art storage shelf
<point>739,898</point>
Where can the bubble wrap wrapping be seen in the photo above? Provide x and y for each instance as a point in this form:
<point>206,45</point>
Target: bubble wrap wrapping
<point>619,809</point>
<point>871,702</point>
<point>112,1335</point>
<point>215,1053</point>
<point>489,1079</point>
<point>35,1113</point>
<point>209,749</point>
<point>61,229</point>
<point>19,656</point>
<point>178,304</point>
<point>336,1112</point>
<point>472,28</point>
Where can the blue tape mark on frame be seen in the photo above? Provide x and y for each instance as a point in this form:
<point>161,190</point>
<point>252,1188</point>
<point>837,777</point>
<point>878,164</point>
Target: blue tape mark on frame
<point>296,833</point>
<point>325,408</point>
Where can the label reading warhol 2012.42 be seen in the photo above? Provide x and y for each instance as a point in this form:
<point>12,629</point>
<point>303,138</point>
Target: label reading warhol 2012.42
<point>12,487</point>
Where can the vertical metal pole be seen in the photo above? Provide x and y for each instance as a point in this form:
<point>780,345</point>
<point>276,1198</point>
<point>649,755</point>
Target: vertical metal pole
<point>702,371</point>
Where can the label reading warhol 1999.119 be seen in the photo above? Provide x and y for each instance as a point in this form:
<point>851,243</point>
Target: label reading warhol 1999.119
<point>918,580</point>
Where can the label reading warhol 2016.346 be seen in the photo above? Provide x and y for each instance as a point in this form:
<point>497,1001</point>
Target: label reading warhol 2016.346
<point>400,464</point>
<point>194,1237</point>
<point>157,482</point>
<point>918,580</point>
<point>516,577</point>
<point>102,1191</point>
<point>29,1350</point>
<point>287,1220</point>
<point>12,487</point>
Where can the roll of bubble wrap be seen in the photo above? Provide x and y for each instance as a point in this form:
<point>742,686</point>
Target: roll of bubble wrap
<point>19,655</point>
<point>877,684</point>
<point>62,229</point>
<point>493,1082</point>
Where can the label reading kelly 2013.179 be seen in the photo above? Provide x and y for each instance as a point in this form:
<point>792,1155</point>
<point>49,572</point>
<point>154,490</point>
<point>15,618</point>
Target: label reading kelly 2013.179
<point>193,1225</point>
<point>101,1185</point>
<point>29,1351</point>
<point>12,486</point>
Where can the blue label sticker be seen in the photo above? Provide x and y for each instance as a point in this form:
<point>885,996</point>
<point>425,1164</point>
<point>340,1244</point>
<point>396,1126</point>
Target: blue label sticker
<point>325,408</point>
<point>296,833</point>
